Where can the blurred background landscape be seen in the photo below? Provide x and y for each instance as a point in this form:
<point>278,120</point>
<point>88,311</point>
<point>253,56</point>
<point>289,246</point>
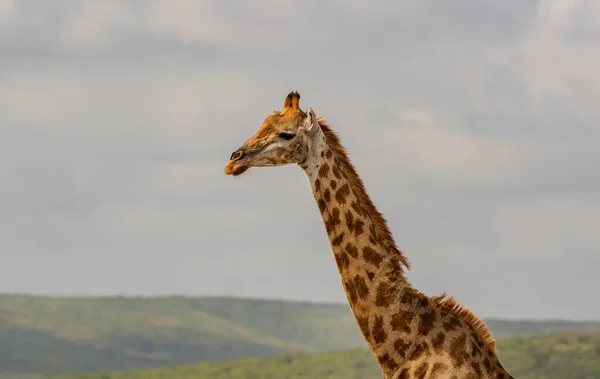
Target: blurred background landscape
<point>52,336</point>
<point>125,252</point>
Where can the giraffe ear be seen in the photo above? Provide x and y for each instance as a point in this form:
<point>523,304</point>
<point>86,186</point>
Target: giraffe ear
<point>310,121</point>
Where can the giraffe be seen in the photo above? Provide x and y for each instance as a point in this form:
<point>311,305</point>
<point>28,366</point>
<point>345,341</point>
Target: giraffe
<point>410,334</point>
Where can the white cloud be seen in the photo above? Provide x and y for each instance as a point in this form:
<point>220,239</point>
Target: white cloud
<point>38,98</point>
<point>189,21</point>
<point>239,26</point>
<point>545,58</point>
<point>450,156</point>
<point>548,227</point>
<point>94,26</point>
<point>7,8</point>
<point>561,15</point>
<point>263,25</point>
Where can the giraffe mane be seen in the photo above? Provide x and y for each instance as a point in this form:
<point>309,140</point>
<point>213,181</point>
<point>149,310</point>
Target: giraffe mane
<point>464,313</point>
<point>358,187</point>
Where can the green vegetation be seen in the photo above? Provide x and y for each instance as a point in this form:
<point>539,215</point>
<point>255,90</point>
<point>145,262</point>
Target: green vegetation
<point>54,335</point>
<point>554,356</point>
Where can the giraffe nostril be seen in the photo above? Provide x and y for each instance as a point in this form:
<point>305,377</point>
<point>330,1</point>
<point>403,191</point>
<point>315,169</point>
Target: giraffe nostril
<point>236,155</point>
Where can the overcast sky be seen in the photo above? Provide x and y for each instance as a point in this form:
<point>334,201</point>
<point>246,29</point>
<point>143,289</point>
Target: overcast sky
<point>474,124</point>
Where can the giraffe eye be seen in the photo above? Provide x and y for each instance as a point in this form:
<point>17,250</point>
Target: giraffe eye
<point>286,136</point>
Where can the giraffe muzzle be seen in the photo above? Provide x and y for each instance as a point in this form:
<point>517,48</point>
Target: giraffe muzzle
<point>236,165</point>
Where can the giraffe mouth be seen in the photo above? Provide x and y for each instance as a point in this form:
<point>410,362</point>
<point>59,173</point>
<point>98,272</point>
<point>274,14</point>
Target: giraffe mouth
<point>235,168</point>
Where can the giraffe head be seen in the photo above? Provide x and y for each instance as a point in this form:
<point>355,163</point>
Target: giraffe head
<point>283,138</point>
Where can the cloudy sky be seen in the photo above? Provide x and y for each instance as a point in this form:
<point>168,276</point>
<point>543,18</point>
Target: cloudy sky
<point>475,126</point>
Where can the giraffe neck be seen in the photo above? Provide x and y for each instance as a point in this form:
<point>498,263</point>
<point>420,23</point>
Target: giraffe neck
<point>384,304</point>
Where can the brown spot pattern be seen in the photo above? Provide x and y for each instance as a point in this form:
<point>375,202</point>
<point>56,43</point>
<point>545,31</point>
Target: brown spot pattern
<point>418,351</point>
<point>387,362</point>
<point>336,171</point>
<point>351,250</point>
<point>476,369</point>
<point>363,324</point>
<point>333,220</point>
<point>394,273</point>
<point>370,274</point>
<point>323,171</point>
<point>477,340</point>
<point>487,364</point>
<point>322,205</point>
<point>356,208</point>
<point>342,193</point>
<point>378,333</point>
<point>329,154</point>
<point>384,296</point>
<point>333,184</point>
<point>371,256</point>
<point>407,297</point>
<point>372,235</point>
<point>342,260</point>
<point>361,287</point>
<point>426,322</point>
<point>327,195</point>
<point>402,320</point>
<point>351,291</point>
<point>318,185</point>
<point>452,323</point>
<point>438,342</point>
<point>349,217</point>
<point>337,241</point>
<point>401,347</point>
<point>359,227</point>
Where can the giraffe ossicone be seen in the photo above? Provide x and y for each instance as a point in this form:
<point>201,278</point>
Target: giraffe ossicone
<point>410,334</point>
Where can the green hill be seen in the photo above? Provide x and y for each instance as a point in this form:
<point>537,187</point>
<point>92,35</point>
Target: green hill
<point>554,356</point>
<point>53,335</point>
